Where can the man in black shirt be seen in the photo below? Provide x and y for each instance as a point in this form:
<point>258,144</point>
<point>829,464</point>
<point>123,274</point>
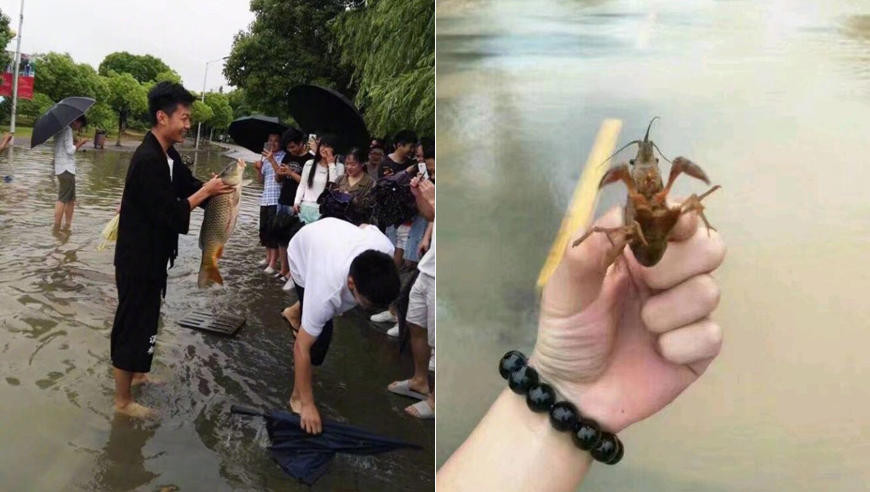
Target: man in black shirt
<point>398,160</point>
<point>290,173</point>
<point>159,193</point>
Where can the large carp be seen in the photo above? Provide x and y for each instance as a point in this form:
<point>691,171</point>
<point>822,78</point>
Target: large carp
<point>220,219</point>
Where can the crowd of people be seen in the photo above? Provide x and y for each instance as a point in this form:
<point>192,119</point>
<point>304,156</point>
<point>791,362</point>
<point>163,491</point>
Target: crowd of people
<point>338,229</point>
<point>341,230</point>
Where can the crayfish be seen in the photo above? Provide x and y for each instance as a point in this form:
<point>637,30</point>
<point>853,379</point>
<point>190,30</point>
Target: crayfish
<point>648,218</point>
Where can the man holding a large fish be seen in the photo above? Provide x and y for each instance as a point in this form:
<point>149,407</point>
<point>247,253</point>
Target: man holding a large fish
<point>159,194</point>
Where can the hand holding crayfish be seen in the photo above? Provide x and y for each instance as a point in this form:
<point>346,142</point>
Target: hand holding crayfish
<point>622,340</point>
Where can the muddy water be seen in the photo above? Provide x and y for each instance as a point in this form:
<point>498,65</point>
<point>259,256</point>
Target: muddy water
<point>57,299</point>
<point>772,99</point>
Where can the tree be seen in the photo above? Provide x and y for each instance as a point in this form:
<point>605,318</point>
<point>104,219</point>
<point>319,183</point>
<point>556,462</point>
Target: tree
<point>390,47</point>
<point>168,76</point>
<point>289,43</point>
<point>126,96</point>
<point>6,35</point>
<point>102,116</point>
<point>200,112</point>
<point>223,112</point>
<point>35,107</point>
<point>59,77</point>
<point>239,102</point>
<point>143,68</point>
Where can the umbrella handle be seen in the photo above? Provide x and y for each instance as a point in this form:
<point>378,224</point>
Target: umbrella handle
<point>242,410</point>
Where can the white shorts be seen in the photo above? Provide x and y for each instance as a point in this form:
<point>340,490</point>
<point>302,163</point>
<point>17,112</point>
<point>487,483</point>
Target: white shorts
<point>421,305</point>
<point>402,233</point>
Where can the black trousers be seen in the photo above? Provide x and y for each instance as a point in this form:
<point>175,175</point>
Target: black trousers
<point>134,331</point>
<point>321,345</point>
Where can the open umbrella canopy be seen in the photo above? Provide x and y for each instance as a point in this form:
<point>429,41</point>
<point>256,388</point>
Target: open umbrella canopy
<point>320,110</point>
<point>305,456</point>
<point>251,132</point>
<point>57,117</point>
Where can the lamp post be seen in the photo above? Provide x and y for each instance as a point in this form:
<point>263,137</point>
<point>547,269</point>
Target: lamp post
<point>16,62</point>
<point>204,79</point>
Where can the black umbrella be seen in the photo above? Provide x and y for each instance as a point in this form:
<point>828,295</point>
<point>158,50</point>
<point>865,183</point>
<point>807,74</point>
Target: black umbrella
<point>305,456</point>
<point>320,110</point>
<point>57,117</point>
<point>251,132</point>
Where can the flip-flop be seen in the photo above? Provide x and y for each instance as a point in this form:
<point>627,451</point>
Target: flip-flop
<point>403,388</point>
<point>423,410</point>
<point>294,330</point>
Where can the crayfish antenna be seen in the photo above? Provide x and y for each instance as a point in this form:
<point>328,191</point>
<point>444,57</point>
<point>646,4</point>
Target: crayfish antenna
<point>646,137</point>
<point>660,152</point>
<point>619,150</point>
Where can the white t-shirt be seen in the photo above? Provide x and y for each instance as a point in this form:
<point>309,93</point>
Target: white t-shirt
<point>319,257</point>
<point>322,175</point>
<point>170,162</point>
<point>64,152</point>
<point>427,263</point>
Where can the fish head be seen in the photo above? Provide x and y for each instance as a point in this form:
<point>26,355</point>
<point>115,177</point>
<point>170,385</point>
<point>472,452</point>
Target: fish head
<point>232,173</point>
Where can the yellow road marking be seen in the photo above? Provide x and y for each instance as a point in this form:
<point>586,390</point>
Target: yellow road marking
<point>579,213</point>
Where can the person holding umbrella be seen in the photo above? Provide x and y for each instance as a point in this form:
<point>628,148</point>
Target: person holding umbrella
<point>65,147</point>
<point>60,121</point>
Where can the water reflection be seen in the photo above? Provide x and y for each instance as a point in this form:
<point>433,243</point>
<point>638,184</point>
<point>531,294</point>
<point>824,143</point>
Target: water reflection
<point>121,465</point>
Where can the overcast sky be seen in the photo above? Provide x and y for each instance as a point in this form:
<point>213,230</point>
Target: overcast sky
<point>183,33</point>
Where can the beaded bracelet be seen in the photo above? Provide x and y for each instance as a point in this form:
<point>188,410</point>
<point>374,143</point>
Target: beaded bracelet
<point>540,397</point>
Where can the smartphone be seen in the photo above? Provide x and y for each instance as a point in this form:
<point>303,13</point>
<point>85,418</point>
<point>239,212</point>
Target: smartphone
<point>267,146</point>
<point>424,172</point>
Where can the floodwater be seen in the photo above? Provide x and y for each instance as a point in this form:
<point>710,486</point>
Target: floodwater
<point>772,99</point>
<point>57,298</point>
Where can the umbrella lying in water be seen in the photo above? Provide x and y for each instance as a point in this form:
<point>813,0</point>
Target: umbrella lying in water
<point>323,110</point>
<point>57,117</point>
<point>305,456</point>
<point>251,132</point>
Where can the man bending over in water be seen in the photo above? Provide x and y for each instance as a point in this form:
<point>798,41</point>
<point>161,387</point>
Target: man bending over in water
<point>335,266</point>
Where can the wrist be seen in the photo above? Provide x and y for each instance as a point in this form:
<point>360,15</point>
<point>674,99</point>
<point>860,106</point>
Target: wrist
<point>513,448</point>
<point>592,400</point>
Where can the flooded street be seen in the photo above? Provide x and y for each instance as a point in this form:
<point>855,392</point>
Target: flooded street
<point>772,99</point>
<point>57,302</point>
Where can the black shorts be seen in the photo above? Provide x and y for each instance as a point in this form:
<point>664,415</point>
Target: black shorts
<point>134,332</point>
<point>321,345</point>
<point>267,218</point>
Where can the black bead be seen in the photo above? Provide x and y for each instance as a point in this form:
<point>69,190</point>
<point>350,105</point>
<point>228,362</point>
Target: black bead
<point>606,449</point>
<point>564,416</point>
<point>587,435</point>
<point>522,379</point>
<point>540,397</point>
<point>615,459</point>
<point>511,361</point>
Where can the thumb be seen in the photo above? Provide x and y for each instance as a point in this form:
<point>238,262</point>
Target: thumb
<point>578,279</point>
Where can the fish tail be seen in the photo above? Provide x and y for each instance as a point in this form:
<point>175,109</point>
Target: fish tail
<point>209,273</point>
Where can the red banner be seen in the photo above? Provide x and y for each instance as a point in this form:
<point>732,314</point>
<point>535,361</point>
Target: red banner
<point>25,78</point>
<point>25,86</point>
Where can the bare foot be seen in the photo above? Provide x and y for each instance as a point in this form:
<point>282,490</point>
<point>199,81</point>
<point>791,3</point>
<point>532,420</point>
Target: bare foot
<point>293,316</point>
<point>135,410</point>
<point>421,410</point>
<point>422,388</point>
<point>295,405</point>
<point>141,378</point>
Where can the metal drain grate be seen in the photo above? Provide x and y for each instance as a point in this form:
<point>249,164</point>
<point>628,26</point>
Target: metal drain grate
<point>222,324</point>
